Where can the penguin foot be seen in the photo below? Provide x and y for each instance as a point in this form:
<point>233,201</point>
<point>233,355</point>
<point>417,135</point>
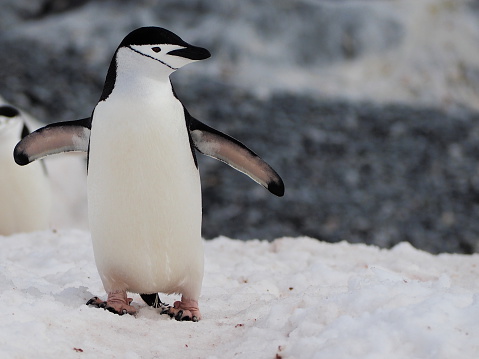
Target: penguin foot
<point>117,303</point>
<point>96,302</point>
<point>184,310</point>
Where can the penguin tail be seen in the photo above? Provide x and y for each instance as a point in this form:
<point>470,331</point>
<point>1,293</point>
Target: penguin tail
<point>153,300</point>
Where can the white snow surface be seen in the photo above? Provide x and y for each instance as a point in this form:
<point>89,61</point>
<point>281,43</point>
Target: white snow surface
<point>290,298</point>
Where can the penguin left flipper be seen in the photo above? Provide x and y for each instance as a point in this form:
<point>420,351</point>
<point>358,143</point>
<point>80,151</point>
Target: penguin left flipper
<point>54,138</point>
<point>220,146</point>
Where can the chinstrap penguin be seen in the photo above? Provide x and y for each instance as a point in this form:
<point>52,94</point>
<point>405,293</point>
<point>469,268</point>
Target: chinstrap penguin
<point>25,194</point>
<point>144,195</point>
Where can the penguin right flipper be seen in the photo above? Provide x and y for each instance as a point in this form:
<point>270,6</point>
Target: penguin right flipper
<point>229,150</point>
<point>54,138</point>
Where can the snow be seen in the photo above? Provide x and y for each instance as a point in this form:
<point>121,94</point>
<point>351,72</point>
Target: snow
<point>290,298</point>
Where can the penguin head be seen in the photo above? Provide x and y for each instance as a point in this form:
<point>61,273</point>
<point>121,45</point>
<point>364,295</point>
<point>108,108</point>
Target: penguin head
<point>11,122</point>
<point>163,46</point>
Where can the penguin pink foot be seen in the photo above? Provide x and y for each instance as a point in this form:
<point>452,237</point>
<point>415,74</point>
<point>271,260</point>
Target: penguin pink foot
<point>117,303</point>
<point>184,310</point>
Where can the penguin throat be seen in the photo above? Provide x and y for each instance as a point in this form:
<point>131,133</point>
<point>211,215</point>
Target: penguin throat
<point>151,57</point>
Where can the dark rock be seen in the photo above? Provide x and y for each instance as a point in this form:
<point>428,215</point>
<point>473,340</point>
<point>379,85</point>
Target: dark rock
<point>353,171</point>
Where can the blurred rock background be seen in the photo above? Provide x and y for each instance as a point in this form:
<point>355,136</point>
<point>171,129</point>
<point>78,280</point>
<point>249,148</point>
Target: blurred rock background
<point>368,109</point>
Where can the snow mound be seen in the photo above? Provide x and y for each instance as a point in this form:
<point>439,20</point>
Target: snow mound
<point>290,298</point>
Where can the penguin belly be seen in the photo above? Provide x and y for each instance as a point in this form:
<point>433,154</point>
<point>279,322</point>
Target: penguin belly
<point>25,194</point>
<point>144,199</point>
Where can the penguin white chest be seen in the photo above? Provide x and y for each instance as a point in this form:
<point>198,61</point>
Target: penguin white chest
<point>144,196</point>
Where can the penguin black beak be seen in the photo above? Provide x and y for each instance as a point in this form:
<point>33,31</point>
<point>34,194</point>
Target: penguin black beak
<point>191,52</point>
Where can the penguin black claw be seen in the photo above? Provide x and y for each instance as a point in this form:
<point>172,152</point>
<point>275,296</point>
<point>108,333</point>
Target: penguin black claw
<point>119,312</point>
<point>179,315</point>
<point>185,310</point>
<point>110,306</point>
<point>91,300</point>
<point>96,302</point>
<point>112,310</point>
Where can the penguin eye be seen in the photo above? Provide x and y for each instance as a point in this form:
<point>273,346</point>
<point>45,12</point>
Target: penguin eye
<point>156,49</point>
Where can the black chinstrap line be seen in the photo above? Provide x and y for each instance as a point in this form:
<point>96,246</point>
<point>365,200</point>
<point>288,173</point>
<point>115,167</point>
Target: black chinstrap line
<point>151,57</point>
